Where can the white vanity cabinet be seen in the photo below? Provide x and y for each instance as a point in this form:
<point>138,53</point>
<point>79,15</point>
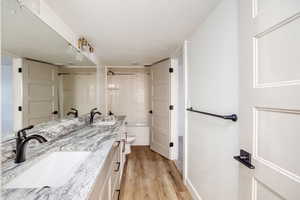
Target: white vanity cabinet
<point>107,185</point>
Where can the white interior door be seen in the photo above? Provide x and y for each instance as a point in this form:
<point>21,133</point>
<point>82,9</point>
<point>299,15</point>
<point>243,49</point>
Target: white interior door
<point>40,98</point>
<point>161,114</point>
<point>270,99</point>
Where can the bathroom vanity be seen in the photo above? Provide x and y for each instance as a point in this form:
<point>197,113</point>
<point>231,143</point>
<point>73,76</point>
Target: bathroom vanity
<point>81,162</point>
<point>107,185</point>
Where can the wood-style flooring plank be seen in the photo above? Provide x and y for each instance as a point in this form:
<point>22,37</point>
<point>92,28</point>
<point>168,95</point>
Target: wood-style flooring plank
<point>149,176</point>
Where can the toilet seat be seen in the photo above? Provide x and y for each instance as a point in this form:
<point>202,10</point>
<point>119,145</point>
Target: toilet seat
<point>130,139</point>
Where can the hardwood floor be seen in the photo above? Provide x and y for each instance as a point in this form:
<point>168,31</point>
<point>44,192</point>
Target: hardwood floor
<point>149,176</point>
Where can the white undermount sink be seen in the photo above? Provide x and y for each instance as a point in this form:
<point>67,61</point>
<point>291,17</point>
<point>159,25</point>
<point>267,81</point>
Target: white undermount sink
<point>104,123</point>
<point>54,171</point>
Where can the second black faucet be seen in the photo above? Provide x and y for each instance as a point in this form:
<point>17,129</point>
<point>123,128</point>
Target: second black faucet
<point>93,113</point>
<point>73,112</point>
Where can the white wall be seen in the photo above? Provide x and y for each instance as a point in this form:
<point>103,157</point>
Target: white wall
<point>181,95</point>
<point>212,173</point>
<point>1,75</point>
<point>7,98</point>
<point>101,84</point>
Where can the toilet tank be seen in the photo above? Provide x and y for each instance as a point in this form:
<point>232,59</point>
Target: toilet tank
<point>141,131</point>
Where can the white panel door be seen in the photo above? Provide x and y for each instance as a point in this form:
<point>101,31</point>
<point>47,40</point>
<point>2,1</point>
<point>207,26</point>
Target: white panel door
<point>270,99</point>
<point>161,117</point>
<point>40,98</point>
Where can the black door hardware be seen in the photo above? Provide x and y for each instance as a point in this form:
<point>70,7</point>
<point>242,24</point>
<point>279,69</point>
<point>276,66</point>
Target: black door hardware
<point>232,117</point>
<point>244,158</point>
<point>93,113</point>
<point>171,70</point>
<point>171,107</point>
<point>118,143</point>
<point>150,111</point>
<point>118,168</point>
<point>55,112</point>
<point>171,144</point>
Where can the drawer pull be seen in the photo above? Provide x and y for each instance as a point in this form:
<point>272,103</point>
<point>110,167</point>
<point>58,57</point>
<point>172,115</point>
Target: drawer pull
<point>118,143</point>
<point>118,168</point>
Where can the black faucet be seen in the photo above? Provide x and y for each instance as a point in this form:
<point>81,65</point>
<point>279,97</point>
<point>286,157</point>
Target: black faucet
<point>73,112</point>
<point>21,143</point>
<point>93,113</point>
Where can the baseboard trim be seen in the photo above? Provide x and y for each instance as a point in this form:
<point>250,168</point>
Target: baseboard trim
<point>192,190</point>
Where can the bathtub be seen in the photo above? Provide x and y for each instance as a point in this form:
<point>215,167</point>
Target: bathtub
<point>141,131</point>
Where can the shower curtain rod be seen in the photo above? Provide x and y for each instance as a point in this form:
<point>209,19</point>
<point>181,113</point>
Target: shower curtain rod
<point>119,74</point>
<point>76,73</point>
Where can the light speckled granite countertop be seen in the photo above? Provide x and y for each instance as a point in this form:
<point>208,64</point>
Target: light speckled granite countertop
<point>97,140</point>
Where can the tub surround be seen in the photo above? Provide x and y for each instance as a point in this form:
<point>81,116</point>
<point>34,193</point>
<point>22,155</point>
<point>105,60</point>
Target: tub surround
<point>75,135</point>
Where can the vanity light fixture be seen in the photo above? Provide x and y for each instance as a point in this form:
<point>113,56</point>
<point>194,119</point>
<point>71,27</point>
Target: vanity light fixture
<point>91,49</point>
<point>84,45</point>
<point>81,43</point>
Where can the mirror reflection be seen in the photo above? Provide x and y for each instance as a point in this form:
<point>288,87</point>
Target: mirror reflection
<point>7,96</point>
<point>44,77</point>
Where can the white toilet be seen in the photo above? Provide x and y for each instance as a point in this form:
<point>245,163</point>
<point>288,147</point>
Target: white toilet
<point>129,141</point>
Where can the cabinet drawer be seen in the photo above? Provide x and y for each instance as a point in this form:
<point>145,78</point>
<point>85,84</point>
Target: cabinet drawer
<point>105,192</point>
<point>115,180</point>
<point>117,168</point>
<point>103,180</point>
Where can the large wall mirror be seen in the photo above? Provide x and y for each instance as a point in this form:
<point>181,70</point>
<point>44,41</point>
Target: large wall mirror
<point>43,75</point>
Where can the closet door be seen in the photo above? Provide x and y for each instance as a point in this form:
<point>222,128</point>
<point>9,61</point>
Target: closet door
<point>270,99</point>
<point>40,98</point>
<point>161,113</point>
